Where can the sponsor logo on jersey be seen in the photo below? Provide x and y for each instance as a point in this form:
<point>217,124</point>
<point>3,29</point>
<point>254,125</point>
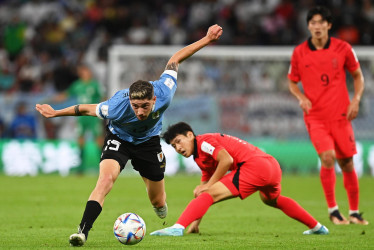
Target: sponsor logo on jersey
<point>169,82</point>
<point>207,148</point>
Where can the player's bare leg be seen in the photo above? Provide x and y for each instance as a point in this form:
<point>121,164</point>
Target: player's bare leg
<point>109,171</point>
<point>328,180</point>
<point>351,185</point>
<point>157,196</point>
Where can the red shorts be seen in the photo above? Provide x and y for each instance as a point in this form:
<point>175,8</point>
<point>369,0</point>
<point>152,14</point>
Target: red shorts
<point>334,135</point>
<point>259,174</point>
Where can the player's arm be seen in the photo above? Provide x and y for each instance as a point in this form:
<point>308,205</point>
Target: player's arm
<point>358,83</point>
<point>213,34</point>
<point>224,161</point>
<point>77,110</point>
<point>304,102</point>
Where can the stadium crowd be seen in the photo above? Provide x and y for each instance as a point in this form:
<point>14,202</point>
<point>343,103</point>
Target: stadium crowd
<point>43,41</point>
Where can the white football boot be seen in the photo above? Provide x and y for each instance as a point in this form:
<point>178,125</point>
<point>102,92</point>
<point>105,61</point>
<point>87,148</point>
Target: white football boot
<point>77,239</point>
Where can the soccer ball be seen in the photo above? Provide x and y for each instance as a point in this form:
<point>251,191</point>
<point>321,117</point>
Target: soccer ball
<point>129,228</point>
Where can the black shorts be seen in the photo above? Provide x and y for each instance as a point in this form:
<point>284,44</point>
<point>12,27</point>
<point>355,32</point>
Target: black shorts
<point>147,158</point>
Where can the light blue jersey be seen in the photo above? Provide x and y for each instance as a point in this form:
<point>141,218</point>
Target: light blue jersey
<point>122,119</point>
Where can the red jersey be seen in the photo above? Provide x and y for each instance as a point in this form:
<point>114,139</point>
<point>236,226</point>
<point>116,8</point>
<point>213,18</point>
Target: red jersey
<point>322,74</point>
<point>207,148</point>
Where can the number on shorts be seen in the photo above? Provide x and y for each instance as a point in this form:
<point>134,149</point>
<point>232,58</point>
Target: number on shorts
<point>112,142</point>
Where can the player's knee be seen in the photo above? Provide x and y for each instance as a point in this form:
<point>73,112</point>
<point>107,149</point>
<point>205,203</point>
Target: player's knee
<point>346,164</point>
<point>269,202</point>
<point>105,182</point>
<point>327,159</point>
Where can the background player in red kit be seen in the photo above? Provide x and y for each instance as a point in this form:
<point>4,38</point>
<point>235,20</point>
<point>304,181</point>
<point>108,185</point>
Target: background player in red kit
<point>320,63</point>
<point>251,170</point>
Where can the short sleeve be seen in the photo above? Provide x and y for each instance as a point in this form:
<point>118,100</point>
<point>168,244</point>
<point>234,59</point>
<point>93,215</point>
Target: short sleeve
<point>351,62</point>
<point>293,71</point>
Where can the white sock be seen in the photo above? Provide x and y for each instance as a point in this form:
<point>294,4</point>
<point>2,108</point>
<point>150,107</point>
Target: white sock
<point>317,227</point>
<point>353,212</point>
<point>332,209</point>
<point>178,226</point>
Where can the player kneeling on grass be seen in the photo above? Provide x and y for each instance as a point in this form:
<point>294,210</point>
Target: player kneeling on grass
<point>251,170</point>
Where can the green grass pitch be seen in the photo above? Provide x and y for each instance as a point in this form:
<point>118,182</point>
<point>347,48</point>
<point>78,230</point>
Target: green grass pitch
<point>41,212</point>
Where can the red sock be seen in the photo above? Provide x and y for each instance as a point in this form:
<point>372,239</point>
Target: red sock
<point>350,181</point>
<point>195,209</point>
<point>295,211</point>
<point>328,179</point>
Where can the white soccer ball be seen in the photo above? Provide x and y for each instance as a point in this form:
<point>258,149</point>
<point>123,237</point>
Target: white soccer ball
<point>129,229</point>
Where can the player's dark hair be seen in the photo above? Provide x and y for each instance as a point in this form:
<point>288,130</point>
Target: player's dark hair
<point>319,10</point>
<point>180,128</point>
<point>141,90</point>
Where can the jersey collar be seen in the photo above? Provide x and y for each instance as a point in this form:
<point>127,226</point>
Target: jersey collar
<point>195,153</point>
<point>313,48</point>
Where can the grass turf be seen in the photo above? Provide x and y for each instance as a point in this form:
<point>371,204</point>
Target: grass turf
<point>41,212</point>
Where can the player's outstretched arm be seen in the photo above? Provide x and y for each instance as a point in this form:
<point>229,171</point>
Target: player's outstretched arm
<point>77,110</point>
<point>213,34</point>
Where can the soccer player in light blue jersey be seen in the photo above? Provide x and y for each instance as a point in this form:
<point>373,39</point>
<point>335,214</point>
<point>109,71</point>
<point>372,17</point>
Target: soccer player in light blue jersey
<point>135,123</point>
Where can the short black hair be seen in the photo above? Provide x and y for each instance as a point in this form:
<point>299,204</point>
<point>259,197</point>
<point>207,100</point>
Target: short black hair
<point>319,10</point>
<point>141,90</point>
<point>180,128</point>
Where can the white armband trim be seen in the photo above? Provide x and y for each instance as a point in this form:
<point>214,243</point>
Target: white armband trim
<point>98,111</point>
<point>171,72</point>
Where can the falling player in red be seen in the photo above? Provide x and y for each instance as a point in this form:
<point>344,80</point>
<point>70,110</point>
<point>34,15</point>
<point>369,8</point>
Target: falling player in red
<point>320,64</point>
<point>251,170</point>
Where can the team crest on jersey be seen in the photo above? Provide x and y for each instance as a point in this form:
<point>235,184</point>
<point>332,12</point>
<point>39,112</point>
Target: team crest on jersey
<point>207,148</point>
<point>156,114</point>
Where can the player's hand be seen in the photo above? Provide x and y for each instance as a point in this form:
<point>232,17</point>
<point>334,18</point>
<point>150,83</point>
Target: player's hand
<point>353,108</point>
<point>194,227</point>
<point>199,189</point>
<point>214,32</point>
<point>46,110</point>
<point>305,105</point>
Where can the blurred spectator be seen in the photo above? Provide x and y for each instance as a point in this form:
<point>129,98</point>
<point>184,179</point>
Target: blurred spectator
<point>28,74</point>
<point>23,125</point>
<point>63,75</point>
<point>14,36</point>
<point>85,90</point>
<point>3,129</point>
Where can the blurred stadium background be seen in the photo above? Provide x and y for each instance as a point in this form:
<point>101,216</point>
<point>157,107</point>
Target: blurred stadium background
<point>237,86</point>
